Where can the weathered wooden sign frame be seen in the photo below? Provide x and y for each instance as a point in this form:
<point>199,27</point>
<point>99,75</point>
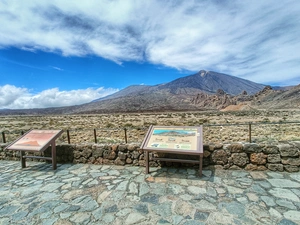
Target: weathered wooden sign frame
<point>184,140</point>
<point>36,141</point>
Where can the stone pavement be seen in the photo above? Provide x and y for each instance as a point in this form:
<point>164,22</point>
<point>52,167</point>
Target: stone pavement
<point>108,194</point>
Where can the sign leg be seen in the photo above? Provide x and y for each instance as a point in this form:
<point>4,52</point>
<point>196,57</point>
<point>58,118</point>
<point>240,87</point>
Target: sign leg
<point>23,162</point>
<point>200,165</point>
<point>147,162</point>
<point>53,148</point>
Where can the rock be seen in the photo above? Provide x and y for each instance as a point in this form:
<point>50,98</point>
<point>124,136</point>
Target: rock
<point>122,156</point>
<point>112,155</point>
<point>240,159</point>
<point>236,148</point>
<point>219,157</point>
<point>206,154</point>
<point>98,152</point>
<point>122,148</point>
<point>275,167</point>
<point>252,148</point>
<point>274,158</point>
<point>113,148</point>
<point>288,150</point>
<point>251,167</point>
<point>132,147</point>
<point>291,161</point>
<point>258,158</point>
<point>271,149</point>
<point>119,162</point>
<point>290,168</point>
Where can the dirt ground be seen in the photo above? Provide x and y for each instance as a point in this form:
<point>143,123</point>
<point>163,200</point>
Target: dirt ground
<point>218,127</point>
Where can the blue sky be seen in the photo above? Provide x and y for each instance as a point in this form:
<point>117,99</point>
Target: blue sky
<point>58,53</point>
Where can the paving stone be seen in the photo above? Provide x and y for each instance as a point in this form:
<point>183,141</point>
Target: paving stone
<point>286,204</point>
<point>8,210</point>
<point>81,218</point>
<point>142,208</point>
<point>268,200</point>
<point>286,222</point>
<point>284,193</point>
<point>122,186</point>
<point>284,183</point>
<point>19,215</point>
<point>275,213</point>
<point>163,209</point>
<point>295,177</point>
<point>96,194</point>
<point>196,190</point>
<point>233,208</point>
<point>150,199</point>
<point>292,215</point>
<point>134,218</point>
<point>108,218</point>
<point>144,189</point>
<point>202,216</point>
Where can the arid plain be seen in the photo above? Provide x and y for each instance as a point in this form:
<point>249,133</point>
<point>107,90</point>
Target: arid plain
<point>218,127</point>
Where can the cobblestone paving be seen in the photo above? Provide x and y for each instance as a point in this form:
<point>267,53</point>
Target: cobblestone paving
<point>106,194</point>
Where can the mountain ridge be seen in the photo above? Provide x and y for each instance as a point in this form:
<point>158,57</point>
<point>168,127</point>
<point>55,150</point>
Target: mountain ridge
<point>205,90</point>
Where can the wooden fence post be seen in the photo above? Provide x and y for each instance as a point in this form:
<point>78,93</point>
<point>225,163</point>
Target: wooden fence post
<point>95,135</point>
<point>3,137</point>
<point>125,131</point>
<point>68,135</point>
<point>250,129</point>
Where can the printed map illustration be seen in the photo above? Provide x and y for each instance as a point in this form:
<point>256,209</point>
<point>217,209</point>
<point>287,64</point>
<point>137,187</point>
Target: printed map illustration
<point>174,138</point>
<point>34,140</point>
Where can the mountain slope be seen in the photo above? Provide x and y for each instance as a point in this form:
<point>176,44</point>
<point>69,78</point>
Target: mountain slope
<point>130,90</point>
<point>205,90</point>
<point>210,82</point>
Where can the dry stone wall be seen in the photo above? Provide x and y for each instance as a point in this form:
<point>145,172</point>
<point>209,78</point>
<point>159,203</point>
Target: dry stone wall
<point>249,156</point>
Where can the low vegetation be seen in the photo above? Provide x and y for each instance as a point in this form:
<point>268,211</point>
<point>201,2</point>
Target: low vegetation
<point>219,127</point>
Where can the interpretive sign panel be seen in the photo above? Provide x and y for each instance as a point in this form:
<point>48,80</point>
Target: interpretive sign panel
<point>182,138</point>
<point>36,141</point>
<point>177,140</point>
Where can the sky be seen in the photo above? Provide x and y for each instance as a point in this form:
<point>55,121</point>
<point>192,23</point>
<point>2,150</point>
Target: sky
<point>59,53</point>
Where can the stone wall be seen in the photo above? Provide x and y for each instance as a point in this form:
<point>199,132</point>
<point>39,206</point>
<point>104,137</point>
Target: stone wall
<point>249,156</point>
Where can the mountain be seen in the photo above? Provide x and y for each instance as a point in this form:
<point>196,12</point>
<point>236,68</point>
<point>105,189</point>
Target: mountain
<point>205,81</point>
<point>210,82</point>
<point>176,95</point>
<point>205,90</point>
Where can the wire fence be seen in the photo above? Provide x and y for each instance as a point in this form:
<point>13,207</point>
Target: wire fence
<point>212,133</point>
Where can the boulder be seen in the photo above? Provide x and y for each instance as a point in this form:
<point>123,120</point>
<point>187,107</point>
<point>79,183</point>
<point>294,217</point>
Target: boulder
<point>258,158</point>
<point>240,159</point>
<point>274,158</point>
<point>234,148</point>
<point>219,157</point>
<point>252,148</point>
<point>288,150</point>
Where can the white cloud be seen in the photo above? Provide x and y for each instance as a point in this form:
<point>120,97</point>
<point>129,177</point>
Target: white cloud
<point>21,98</point>
<point>257,40</point>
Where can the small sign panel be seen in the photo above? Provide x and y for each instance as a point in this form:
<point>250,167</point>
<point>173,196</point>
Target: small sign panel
<point>35,140</point>
<point>174,138</point>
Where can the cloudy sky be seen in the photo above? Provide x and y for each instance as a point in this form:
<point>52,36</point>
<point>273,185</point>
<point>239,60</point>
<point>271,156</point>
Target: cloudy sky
<point>57,53</point>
